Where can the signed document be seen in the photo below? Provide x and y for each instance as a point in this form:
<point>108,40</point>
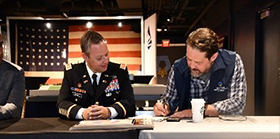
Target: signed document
<point>112,122</point>
<point>108,124</point>
<point>102,124</point>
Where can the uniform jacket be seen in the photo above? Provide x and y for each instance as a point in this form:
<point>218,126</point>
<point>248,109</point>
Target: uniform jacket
<point>114,90</point>
<point>221,73</point>
<point>12,85</point>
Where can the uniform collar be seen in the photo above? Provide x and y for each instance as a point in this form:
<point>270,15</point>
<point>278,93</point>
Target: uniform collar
<point>90,72</point>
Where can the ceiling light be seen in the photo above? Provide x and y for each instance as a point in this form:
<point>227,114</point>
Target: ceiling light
<point>120,24</point>
<point>48,25</point>
<point>64,15</point>
<point>168,19</point>
<point>89,24</point>
<point>159,29</point>
<point>165,29</point>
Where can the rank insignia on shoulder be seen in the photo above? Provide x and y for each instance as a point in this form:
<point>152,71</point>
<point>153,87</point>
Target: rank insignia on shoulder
<point>123,66</point>
<point>68,66</point>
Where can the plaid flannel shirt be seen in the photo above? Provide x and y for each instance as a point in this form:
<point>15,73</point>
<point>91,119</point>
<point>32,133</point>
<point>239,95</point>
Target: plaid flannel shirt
<point>235,102</point>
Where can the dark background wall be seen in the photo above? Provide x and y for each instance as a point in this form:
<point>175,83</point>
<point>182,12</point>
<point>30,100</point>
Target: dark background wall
<point>244,44</point>
<point>251,35</point>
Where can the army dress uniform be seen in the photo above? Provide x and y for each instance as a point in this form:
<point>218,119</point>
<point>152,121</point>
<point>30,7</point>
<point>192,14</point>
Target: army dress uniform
<point>114,90</point>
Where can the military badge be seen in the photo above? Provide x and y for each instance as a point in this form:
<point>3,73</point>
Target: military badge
<point>79,85</point>
<point>62,111</point>
<point>78,90</point>
<point>114,76</point>
<point>68,66</point>
<point>123,66</point>
<point>113,86</point>
<point>108,94</point>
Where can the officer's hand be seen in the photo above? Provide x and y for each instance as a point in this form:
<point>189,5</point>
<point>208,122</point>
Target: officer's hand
<point>95,112</point>
<point>182,114</point>
<point>86,113</point>
<point>99,112</point>
<point>161,109</point>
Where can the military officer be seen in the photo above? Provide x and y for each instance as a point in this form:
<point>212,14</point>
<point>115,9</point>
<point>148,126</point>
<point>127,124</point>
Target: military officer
<point>96,88</point>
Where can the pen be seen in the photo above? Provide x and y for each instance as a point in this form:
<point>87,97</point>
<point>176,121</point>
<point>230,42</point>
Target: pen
<point>164,102</point>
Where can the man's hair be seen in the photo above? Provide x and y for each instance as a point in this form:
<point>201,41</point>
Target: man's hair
<point>205,40</point>
<point>89,38</point>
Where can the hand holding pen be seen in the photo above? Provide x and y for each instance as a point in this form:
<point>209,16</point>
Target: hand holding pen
<point>161,108</point>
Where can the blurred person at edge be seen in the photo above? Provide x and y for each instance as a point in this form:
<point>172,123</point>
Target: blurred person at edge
<point>12,86</point>
<point>216,75</point>
<point>111,97</point>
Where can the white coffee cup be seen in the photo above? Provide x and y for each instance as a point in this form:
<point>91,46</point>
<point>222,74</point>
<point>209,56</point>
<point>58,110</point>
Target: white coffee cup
<point>197,109</point>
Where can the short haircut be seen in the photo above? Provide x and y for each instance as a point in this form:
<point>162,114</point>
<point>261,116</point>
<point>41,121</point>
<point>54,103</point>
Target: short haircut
<point>205,40</point>
<point>89,38</point>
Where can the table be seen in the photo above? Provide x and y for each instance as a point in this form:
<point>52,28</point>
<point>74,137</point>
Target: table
<point>56,128</point>
<point>255,127</point>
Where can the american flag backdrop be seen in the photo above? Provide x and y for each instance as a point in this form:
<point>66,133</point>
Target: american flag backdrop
<point>41,49</point>
<point>43,52</point>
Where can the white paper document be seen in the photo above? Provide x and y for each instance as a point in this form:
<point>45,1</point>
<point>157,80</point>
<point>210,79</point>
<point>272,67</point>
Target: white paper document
<point>108,124</point>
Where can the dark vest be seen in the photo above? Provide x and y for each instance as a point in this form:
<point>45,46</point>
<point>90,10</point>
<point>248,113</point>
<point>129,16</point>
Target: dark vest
<point>221,73</point>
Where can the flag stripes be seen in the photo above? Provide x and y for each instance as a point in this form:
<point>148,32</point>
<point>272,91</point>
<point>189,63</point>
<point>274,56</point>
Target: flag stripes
<point>111,47</point>
<point>108,34</point>
<point>124,47</point>
<point>99,28</point>
<point>125,60</point>
<point>111,54</point>
<point>113,41</point>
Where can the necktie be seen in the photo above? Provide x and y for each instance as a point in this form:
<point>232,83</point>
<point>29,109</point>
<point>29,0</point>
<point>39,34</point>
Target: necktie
<point>94,84</point>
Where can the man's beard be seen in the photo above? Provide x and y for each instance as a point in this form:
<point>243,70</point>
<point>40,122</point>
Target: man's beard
<point>196,73</point>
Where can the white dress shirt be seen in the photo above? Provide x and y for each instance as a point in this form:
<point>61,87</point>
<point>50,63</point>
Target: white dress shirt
<point>79,115</point>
